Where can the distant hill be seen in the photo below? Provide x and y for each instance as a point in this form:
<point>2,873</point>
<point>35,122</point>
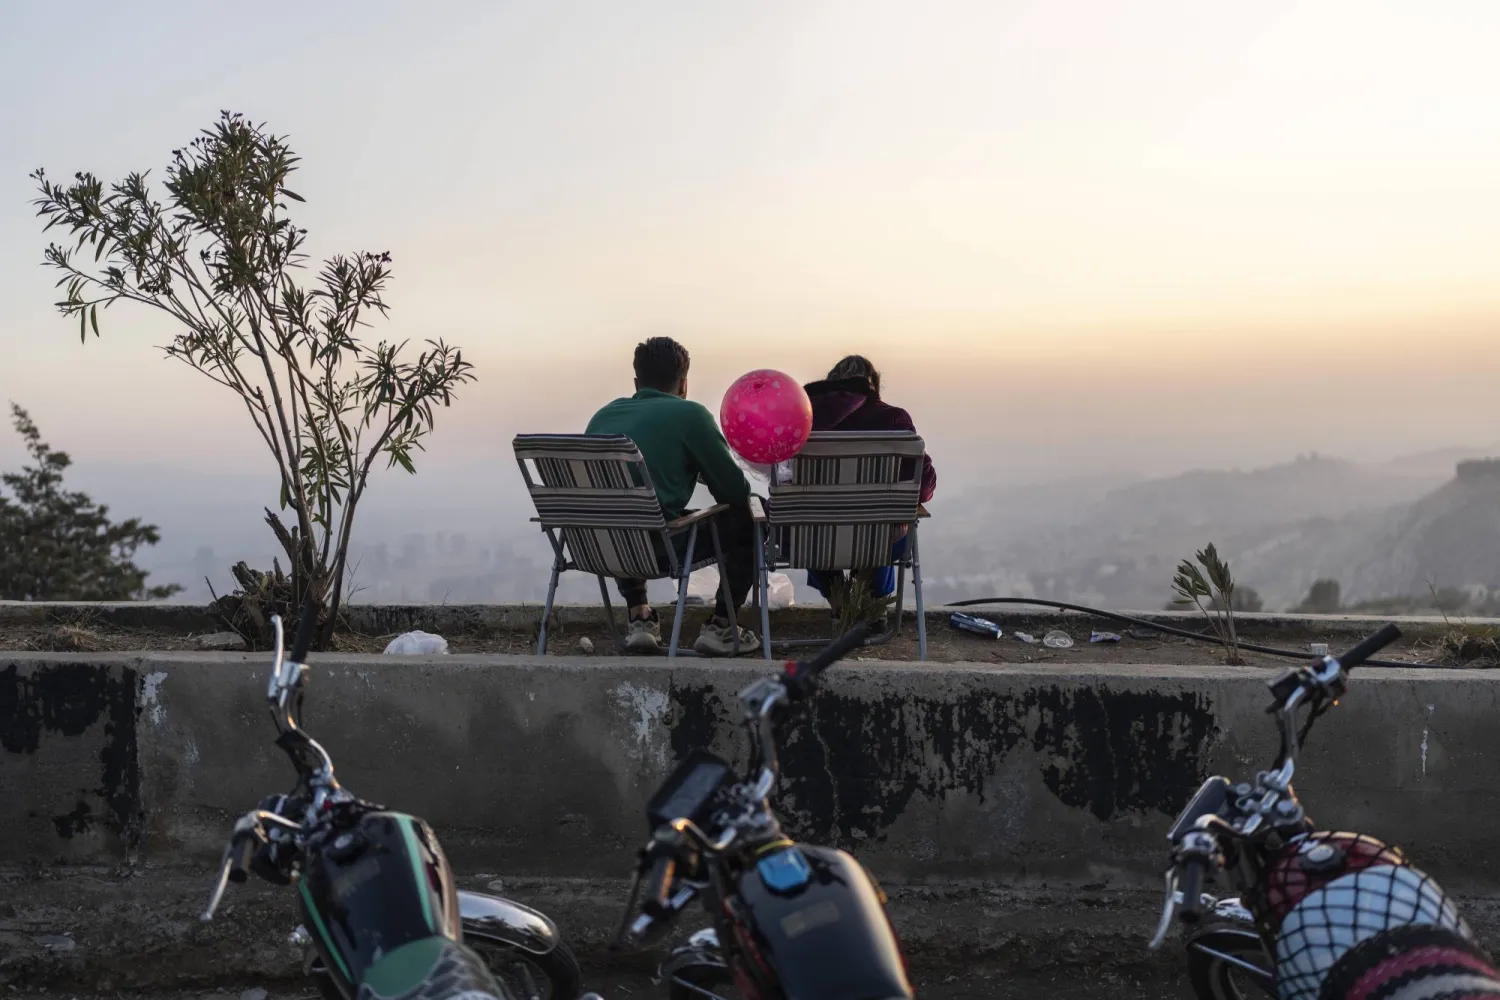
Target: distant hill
<point>1449,538</point>
<point>1439,462</point>
<point>1310,487</point>
<point>1281,526</point>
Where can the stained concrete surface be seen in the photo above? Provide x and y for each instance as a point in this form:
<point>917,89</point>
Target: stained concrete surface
<point>1016,816</point>
<point>541,767</point>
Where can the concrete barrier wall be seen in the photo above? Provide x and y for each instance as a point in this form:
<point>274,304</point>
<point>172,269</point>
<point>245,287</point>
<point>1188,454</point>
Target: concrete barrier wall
<point>540,768</point>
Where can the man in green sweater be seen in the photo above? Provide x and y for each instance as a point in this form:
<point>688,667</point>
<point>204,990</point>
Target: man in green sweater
<point>681,444</point>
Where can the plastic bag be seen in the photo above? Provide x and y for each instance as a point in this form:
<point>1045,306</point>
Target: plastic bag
<point>783,594</point>
<point>417,644</point>
<point>703,588</point>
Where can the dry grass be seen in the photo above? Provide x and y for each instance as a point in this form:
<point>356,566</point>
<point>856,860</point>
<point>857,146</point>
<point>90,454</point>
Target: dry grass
<point>1462,645</point>
<point>83,632</point>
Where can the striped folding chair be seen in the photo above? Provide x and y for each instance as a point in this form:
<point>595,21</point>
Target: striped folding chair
<point>598,508</point>
<point>838,505</point>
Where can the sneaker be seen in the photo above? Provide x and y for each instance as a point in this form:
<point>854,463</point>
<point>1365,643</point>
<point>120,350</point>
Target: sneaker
<point>644,635</point>
<point>717,639</point>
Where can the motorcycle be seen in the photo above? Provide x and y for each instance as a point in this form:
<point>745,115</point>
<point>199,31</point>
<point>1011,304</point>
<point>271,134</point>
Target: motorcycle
<point>789,920</point>
<point>1320,915</point>
<point>375,886</point>
<point>522,948</point>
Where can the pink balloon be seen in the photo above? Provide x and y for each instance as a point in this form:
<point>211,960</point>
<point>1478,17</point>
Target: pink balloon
<point>766,416</point>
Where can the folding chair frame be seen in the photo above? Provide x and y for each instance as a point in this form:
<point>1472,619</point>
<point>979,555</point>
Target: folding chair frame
<point>679,568</point>
<point>765,561</point>
<point>846,457</point>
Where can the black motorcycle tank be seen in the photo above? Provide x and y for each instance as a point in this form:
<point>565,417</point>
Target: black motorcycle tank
<point>828,937</point>
<point>373,888</point>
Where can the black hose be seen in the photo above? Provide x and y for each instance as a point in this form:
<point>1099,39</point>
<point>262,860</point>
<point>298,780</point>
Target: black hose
<point>1169,630</point>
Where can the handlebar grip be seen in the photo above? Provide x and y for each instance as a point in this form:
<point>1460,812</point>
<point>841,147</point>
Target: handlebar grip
<point>659,886</point>
<point>241,850</point>
<point>305,625</point>
<point>799,675</point>
<point>1190,884</point>
<point>1369,646</point>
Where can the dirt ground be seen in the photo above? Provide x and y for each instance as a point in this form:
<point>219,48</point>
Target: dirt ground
<point>133,931</point>
<point>937,984</point>
<point>945,644</point>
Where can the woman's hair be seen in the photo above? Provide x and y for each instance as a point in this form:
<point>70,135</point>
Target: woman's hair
<point>857,366</point>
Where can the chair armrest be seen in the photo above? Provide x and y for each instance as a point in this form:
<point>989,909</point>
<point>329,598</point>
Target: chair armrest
<point>688,520</point>
<point>757,508</point>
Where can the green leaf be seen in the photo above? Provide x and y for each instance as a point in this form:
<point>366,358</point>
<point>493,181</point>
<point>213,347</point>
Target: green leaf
<point>83,320</point>
<point>94,318</point>
<point>293,195</point>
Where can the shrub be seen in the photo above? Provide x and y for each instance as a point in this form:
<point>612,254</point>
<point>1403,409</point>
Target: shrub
<point>221,259</point>
<point>58,545</point>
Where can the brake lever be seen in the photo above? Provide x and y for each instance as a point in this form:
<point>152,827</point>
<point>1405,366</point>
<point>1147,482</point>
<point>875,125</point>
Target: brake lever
<point>220,885</point>
<point>252,825</point>
<point>1168,911</point>
<point>625,931</point>
<point>645,924</point>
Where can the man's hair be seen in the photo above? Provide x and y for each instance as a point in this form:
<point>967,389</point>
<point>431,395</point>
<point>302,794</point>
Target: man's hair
<point>661,363</point>
<point>856,366</point>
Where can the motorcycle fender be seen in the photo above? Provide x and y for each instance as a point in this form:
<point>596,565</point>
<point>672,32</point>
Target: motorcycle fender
<point>828,938</point>
<point>491,918</point>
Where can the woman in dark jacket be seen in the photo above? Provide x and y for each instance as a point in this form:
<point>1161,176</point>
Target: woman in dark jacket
<point>849,400</point>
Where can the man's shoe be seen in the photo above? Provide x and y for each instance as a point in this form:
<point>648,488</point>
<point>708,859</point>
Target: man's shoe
<point>717,639</point>
<point>644,635</point>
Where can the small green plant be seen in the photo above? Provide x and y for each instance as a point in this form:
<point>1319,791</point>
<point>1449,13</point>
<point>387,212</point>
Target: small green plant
<point>1245,599</point>
<point>1210,590</point>
<point>853,602</point>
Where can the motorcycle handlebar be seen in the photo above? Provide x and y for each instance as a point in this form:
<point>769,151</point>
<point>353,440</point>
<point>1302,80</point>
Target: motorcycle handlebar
<point>241,849</point>
<point>799,676</point>
<point>1369,646</point>
<point>659,887</point>
<point>1190,883</point>
<point>305,625</point>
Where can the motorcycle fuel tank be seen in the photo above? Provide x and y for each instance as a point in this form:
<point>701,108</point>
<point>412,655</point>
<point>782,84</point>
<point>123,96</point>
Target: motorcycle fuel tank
<point>373,888</point>
<point>821,923</point>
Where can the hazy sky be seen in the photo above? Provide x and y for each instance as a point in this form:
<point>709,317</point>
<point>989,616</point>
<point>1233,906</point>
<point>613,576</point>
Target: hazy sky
<point>1075,233</point>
